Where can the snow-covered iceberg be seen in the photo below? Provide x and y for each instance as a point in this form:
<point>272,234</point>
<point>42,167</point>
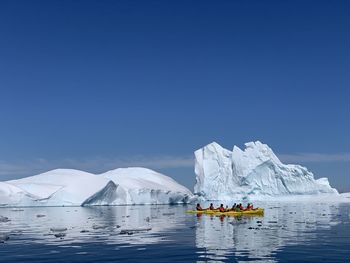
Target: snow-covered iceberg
<point>62,187</point>
<point>144,186</point>
<point>255,173</point>
<point>68,187</point>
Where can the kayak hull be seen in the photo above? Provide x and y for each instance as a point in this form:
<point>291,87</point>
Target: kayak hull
<point>258,211</point>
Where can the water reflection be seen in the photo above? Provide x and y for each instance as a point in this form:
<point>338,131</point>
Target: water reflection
<point>133,225</point>
<point>208,238</point>
<point>258,238</point>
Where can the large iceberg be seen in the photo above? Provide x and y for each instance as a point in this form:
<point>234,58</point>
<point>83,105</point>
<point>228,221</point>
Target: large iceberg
<point>68,187</point>
<point>255,173</point>
<point>144,186</point>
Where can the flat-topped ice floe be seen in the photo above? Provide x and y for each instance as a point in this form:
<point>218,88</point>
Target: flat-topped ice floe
<point>253,173</point>
<point>68,187</point>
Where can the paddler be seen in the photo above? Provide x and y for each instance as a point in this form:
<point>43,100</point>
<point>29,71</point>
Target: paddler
<point>211,207</point>
<point>249,207</point>
<point>199,208</point>
<point>233,207</point>
<point>239,208</point>
<point>221,208</point>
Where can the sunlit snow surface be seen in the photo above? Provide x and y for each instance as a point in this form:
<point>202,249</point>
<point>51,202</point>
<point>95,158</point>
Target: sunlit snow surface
<point>68,187</point>
<point>158,233</point>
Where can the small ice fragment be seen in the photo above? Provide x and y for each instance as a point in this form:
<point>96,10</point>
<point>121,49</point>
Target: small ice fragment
<point>168,214</point>
<point>40,215</point>
<point>4,219</point>
<point>134,230</point>
<point>16,210</point>
<point>58,229</point>
<point>98,227</point>
<point>60,235</point>
<point>4,237</point>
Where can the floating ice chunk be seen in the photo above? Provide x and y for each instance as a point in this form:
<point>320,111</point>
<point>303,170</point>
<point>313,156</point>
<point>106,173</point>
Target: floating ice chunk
<point>4,219</point>
<point>58,229</point>
<point>60,235</point>
<point>134,230</point>
<point>39,215</point>
<point>4,237</point>
<point>99,227</point>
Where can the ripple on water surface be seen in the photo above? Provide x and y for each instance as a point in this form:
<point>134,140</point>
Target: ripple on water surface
<point>286,232</point>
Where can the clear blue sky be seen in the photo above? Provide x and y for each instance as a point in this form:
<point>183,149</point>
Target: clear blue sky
<point>84,83</point>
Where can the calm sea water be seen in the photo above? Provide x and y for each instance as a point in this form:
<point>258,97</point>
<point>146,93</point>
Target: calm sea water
<point>288,232</point>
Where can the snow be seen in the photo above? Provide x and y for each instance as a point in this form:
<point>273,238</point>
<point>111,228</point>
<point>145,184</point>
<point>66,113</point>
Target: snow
<point>60,187</point>
<point>12,195</point>
<point>68,187</point>
<point>253,173</point>
<point>346,196</point>
<point>144,186</point>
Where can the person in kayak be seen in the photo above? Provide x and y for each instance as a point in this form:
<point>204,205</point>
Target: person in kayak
<point>233,207</point>
<point>211,207</point>
<point>239,208</point>
<point>199,208</point>
<point>221,208</point>
<point>249,207</point>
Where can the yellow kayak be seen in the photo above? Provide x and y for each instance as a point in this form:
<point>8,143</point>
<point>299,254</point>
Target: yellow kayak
<point>257,211</point>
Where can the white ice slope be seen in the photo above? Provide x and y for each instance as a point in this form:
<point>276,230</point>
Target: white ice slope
<point>144,186</point>
<point>255,173</point>
<point>60,187</point>
<point>68,187</point>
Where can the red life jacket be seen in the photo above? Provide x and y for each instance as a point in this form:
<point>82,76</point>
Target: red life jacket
<point>221,209</point>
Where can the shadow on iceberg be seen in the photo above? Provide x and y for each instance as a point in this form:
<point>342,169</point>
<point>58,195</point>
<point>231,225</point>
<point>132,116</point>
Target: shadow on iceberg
<point>105,196</point>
